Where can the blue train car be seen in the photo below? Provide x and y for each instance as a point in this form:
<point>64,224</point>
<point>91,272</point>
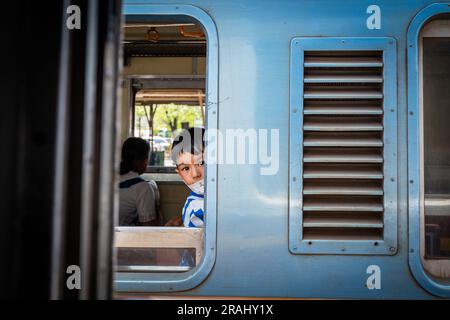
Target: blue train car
<point>326,161</point>
<point>354,199</point>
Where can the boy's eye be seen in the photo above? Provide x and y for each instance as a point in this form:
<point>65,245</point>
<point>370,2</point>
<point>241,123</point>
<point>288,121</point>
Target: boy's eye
<point>185,169</point>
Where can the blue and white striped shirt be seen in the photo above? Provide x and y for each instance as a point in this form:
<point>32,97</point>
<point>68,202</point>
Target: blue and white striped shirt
<point>193,211</point>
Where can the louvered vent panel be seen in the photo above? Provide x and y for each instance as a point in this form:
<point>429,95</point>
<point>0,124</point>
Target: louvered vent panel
<point>343,145</point>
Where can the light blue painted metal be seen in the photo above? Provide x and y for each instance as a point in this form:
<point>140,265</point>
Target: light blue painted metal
<point>414,125</point>
<point>252,256</point>
<point>297,243</point>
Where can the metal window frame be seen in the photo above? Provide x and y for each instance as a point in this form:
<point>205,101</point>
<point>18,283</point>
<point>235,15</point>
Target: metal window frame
<point>163,282</point>
<point>387,246</point>
<point>432,29</point>
<point>414,153</point>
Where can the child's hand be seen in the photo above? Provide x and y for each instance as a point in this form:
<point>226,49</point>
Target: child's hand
<point>174,222</point>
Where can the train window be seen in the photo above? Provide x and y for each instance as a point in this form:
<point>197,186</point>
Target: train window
<point>434,97</point>
<point>159,114</point>
<point>165,90</point>
<point>343,176</point>
<point>165,104</point>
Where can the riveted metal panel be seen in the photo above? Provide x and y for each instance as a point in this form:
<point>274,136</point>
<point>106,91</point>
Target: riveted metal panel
<point>340,151</point>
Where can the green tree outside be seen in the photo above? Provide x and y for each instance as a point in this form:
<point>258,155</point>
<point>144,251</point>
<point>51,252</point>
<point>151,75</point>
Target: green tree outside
<point>167,117</point>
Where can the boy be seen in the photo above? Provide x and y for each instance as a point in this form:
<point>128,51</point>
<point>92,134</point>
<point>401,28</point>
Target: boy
<point>187,153</point>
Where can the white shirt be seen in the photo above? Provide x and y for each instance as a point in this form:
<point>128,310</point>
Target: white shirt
<point>137,202</point>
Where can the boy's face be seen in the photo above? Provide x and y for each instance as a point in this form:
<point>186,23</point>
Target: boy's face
<point>190,167</point>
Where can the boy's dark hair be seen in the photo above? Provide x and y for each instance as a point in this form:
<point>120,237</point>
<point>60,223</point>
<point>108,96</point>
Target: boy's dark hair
<point>188,140</point>
<point>133,149</point>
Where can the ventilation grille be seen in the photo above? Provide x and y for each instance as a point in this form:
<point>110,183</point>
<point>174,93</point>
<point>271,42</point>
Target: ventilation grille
<point>343,145</point>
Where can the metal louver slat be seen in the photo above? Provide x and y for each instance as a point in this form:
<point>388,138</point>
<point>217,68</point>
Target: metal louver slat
<point>336,155</point>
<point>342,94</point>
<point>337,110</point>
<point>331,139</point>
<point>345,171</point>
<point>348,142</point>
<point>342,62</point>
<point>342,223</point>
<point>341,108</point>
<point>343,79</point>
<point>355,204</point>
<point>370,188</point>
<point>341,124</point>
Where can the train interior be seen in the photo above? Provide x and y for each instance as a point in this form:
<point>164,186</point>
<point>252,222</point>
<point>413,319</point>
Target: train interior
<point>163,91</point>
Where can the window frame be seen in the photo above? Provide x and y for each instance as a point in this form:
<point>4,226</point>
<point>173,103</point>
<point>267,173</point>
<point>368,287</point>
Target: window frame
<point>415,172</point>
<point>432,266</point>
<point>164,282</point>
<point>387,246</point>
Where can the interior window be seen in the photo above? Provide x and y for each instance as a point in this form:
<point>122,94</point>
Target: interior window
<point>435,99</point>
<point>160,114</point>
<point>436,62</point>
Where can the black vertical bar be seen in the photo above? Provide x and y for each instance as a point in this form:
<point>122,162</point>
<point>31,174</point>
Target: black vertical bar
<point>76,110</point>
<point>27,126</point>
<point>61,151</point>
<point>108,205</point>
<point>89,140</point>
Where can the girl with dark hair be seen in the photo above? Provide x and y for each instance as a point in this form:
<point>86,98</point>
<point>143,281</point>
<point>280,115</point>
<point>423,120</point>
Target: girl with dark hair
<point>138,197</point>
